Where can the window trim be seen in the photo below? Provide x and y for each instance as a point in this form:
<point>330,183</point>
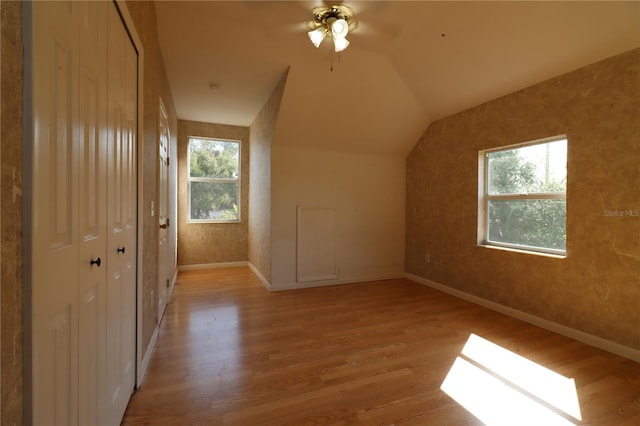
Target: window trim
<point>484,198</point>
<point>222,180</point>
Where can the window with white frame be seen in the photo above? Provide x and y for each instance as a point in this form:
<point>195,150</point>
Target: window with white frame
<point>214,180</point>
<point>523,196</point>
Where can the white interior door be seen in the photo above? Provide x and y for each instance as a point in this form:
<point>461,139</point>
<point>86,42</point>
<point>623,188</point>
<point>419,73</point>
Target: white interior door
<point>121,217</point>
<point>164,261</point>
<point>54,215</point>
<point>92,199</point>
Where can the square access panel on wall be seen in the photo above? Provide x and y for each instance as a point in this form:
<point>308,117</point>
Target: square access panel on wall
<point>316,245</point>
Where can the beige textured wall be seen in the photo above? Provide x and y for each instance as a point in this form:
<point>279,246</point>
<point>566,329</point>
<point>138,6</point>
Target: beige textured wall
<point>11,71</point>
<point>368,195</point>
<point>596,288</point>
<point>260,138</point>
<point>203,243</point>
<point>155,86</point>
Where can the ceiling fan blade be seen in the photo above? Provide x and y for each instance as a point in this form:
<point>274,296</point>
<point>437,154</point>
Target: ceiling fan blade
<point>361,8</point>
<point>278,20</point>
<point>277,33</point>
<point>384,31</point>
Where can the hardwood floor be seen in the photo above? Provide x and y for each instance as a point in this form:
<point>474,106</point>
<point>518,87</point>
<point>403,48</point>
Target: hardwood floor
<point>229,352</point>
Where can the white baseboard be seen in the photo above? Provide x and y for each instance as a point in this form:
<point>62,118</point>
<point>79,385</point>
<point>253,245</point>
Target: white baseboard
<point>147,357</point>
<point>340,281</point>
<point>212,265</point>
<point>581,336</point>
<point>261,277</point>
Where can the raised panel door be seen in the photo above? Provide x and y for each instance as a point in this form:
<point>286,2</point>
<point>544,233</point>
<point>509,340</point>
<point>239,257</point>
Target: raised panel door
<point>92,185</point>
<point>54,254</point>
<point>164,260</point>
<point>121,217</point>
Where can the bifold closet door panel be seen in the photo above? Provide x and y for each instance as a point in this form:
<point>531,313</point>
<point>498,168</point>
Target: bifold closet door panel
<point>121,216</point>
<point>55,253</point>
<point>92,185</point>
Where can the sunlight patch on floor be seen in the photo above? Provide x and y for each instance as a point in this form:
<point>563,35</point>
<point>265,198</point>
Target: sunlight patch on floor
<point>500,387</point>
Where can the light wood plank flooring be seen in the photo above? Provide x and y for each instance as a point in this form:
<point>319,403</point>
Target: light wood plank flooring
<point>229,352</point>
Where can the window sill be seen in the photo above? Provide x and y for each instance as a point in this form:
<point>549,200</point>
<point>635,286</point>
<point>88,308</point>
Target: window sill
<point>212,221</point>
<point>516,250</point>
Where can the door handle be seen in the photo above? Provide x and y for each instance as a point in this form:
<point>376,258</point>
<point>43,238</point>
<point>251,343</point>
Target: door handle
<point>96,262</point>
<point>163,226</point>
<point>121,250</point>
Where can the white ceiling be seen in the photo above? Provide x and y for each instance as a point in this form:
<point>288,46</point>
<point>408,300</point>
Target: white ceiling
<point>409,63</point>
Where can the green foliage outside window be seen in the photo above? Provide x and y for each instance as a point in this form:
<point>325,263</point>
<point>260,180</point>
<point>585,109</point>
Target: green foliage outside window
<point>529,221</point>
<point>214,168</point>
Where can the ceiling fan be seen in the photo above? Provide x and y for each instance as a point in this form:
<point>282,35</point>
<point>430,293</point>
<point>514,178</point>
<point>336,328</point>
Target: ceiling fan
<point>335,20</point>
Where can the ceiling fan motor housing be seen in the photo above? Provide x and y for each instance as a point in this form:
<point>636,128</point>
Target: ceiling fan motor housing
<point>325,17</point>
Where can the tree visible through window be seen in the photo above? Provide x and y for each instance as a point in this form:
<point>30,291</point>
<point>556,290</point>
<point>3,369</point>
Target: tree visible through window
<point>525,196</point>
<point>214,180</point>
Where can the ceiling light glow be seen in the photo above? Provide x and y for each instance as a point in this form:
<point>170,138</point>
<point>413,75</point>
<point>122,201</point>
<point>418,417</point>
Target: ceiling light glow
<point>340,44</point>
<point>333,21</point>
<point>339,28</point>
<point>316,36</point>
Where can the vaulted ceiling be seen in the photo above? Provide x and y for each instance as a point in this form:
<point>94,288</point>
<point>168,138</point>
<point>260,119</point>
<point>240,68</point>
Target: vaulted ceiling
<point>409,62</point>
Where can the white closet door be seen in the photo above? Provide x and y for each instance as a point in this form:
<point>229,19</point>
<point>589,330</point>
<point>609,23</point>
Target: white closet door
<point>164,261</point>
<point>55,251</point>
<point>92,185</point>
<point>83,211</point>
<point>121,217</point>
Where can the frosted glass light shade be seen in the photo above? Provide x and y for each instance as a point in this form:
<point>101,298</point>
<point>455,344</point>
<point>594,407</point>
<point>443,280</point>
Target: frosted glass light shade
<point>339,28</point>
<point>340,44</point>
<point>316,36</point>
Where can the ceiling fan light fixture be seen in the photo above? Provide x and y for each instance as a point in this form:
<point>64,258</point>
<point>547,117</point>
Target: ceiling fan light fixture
<point>333,21</point>
<point>340,44</point>
<point>316,36</point>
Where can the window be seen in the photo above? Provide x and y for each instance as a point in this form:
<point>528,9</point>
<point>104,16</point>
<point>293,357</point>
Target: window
<point>214,180</point>
<point>523,196</point>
